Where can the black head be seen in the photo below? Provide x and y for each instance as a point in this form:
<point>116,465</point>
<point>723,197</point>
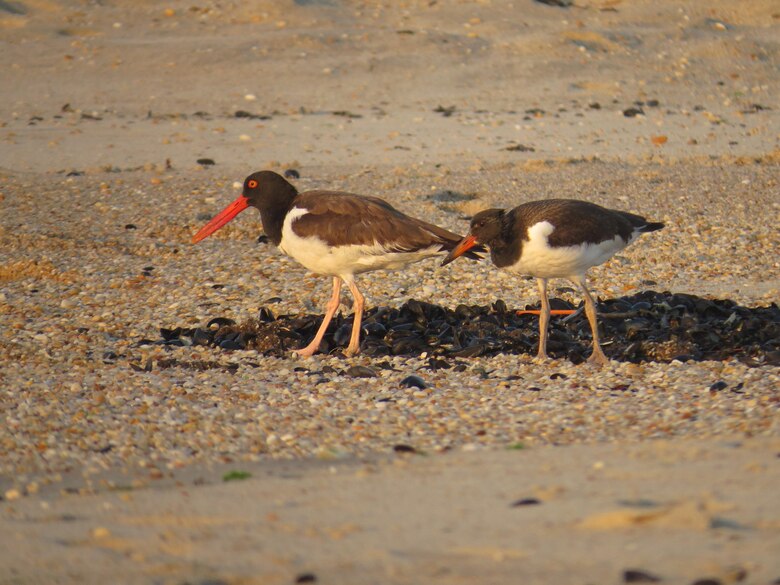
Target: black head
<point>486,225</point>
<point>269,192</point>
<point>264,188</point>
<point>485,229</point>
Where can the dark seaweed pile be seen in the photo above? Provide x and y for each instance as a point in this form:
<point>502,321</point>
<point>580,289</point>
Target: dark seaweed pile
<point>648,326</point>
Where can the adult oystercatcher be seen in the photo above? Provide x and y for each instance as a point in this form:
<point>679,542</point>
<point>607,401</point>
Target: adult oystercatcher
<point>556,238</point>
<point>336,234</point>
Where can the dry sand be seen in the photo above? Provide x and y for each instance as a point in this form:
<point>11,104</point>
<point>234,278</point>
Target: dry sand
<point>110,474</point>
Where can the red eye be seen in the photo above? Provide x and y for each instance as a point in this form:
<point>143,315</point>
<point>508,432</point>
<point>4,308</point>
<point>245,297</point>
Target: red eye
<point>251,184</point>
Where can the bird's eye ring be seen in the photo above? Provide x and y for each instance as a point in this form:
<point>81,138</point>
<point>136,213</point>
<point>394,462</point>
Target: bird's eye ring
<point>251,184</point>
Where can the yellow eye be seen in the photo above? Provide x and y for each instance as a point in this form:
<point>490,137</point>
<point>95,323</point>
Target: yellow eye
<point>252,184</point>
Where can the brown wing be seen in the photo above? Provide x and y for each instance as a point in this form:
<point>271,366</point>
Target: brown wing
<point>577,222</point>
<point>346,219</point>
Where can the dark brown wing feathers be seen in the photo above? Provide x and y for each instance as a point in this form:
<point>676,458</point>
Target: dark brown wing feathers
<point>577,222</point>
<point>346,219</point>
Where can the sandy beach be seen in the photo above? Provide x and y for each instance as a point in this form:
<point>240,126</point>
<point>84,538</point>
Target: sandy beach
<point>125,458</point>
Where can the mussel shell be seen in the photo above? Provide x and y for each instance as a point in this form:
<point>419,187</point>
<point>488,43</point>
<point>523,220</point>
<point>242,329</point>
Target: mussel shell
<point>220,322</point>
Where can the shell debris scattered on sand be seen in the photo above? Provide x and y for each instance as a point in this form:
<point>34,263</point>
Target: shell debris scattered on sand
<point>648,326</point>
<point>87,393</point>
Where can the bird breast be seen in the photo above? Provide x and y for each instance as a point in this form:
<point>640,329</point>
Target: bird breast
<point>539,259</point>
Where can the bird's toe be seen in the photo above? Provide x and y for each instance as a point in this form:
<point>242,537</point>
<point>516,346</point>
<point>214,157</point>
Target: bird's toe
<point>598,359</point>
<point>305,352</point>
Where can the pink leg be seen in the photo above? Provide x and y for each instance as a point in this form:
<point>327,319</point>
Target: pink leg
<point>544,318</point>
<point>330,310</point>
<point>597,357</point>
<point>354,341</point>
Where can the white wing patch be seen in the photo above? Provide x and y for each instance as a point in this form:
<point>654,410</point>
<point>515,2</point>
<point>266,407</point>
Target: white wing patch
<point>541,260</point>
<point>343,261</point>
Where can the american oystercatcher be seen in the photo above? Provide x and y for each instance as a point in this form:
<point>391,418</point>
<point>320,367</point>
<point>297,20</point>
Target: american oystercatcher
<point>556,238</point>
<point>336,234</point>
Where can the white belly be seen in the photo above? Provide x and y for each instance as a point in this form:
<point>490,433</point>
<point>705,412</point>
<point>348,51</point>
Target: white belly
<point>541,260</point>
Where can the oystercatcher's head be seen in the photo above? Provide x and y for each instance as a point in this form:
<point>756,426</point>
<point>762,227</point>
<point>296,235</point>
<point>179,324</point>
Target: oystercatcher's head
<point>265,187</point>
<point>261,190</point>
<point>486,227</point>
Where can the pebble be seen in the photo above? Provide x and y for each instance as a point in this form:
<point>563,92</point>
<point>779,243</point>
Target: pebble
<point>404,449</point>
<point>525,502</point>
<point>101,532</point>
<point>361,372</point>
<point>12,494</point>
<point>639,576</point>
<point>413,382</point>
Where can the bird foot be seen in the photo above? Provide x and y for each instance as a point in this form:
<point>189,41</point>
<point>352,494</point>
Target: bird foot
<point>350,351</point>
<point>306,352</point>
<point>598,359</point>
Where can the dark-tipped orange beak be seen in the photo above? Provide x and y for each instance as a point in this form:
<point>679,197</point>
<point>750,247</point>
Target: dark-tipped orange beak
<point>224,216</point>
<point>463,246</point>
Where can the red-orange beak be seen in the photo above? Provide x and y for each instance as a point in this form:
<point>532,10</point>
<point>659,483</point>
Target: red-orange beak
<point>463,246</point>
<point>224,216</point>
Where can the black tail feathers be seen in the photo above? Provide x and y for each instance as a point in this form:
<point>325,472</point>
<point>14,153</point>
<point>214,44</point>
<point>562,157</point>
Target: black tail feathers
<point>651,227</point>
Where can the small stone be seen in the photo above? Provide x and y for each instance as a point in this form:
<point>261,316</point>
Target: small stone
<point>526,502</point>
<point>361,372</point>
<point>414,382</point>
<point>639,576</point>
<point>101,532</point>
<point>12,494</point>
<point>404,449</point>
<point>520,148</point>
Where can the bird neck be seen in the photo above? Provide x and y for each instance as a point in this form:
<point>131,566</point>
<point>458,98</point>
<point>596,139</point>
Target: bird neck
<point>273,210</point>
<point>503,254</point>
<point>504,251</point>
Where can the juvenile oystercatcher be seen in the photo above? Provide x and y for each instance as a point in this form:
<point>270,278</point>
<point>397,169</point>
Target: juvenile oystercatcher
<point>336,234</point>
<point>557,238</point>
